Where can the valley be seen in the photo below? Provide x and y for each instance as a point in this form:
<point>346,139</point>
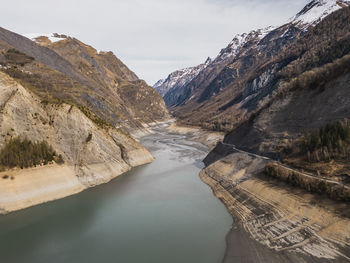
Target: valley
<point>244,157</point>
<point>282,101</point>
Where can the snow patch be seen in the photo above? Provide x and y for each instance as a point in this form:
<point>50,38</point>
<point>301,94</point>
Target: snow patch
<point>316,11</point>
<point>235,46</point>
<point>54,37</point>
<point>180,77</point>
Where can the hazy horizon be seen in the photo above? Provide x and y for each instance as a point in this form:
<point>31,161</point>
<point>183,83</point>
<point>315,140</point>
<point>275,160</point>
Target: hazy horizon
<point>152,38</point>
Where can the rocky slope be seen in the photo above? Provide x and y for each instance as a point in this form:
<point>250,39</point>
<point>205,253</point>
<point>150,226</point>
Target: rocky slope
<point>316,94</point>
<point>246,73</point>
<point>83,103</point>
<point>87,162</point>
<point>68,70</point>
<point>285,92</point>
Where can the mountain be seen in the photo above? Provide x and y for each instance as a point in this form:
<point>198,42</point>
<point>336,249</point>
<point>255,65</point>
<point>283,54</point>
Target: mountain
<point>240,80</point>
<point>177,80</point>
<point>66,114</point>
<point>284,103</point>
<point>307,93</point>
<point>90,155</point>
<point>66,69</point>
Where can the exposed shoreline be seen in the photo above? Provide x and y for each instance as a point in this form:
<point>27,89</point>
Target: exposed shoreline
<point>37,185</point>
<point>289,224</point>
<point>291,212</point>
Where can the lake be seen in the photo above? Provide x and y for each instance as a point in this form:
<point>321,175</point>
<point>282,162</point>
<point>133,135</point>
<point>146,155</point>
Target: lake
<point>161,212</point>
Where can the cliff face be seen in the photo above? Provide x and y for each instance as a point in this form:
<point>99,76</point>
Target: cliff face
<point>87,162</point>
<point>68,70</point>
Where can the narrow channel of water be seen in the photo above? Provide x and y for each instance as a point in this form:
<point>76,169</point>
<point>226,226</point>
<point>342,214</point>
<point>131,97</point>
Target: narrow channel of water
<point>160,212</point>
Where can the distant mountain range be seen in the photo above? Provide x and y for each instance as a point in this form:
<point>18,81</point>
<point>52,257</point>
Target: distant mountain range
<point>247,74</point>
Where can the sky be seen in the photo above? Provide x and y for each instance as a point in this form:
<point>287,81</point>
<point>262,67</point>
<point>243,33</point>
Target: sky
<point>152,37</point>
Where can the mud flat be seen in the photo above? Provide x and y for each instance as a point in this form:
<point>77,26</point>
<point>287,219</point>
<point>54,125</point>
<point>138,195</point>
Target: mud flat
<point>295,226</point>
<point>208,138</point>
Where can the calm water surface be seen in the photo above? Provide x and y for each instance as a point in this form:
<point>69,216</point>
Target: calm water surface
<point>159,212</point>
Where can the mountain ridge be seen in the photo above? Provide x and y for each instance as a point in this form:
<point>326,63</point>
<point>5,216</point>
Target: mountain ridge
<point>76,72</point>
<point>80,103</point>
<point>248,77</point>
<point>179,78</point>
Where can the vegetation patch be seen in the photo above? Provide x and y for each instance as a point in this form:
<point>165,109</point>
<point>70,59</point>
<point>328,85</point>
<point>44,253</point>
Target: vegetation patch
<point>13,56</point>
<point>335,191</point>
<point>330,142</point>
<point>97,120</point>
<point>24,153</point>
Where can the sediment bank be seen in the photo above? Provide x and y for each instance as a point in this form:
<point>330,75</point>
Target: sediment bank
<point>22,188</point>
<point>279,216</point>
<point>208,138</point>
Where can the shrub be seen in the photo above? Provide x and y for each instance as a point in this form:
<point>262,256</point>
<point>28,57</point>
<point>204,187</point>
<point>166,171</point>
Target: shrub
<point>14,56</point>
<point>59,159</point>
<point>89,137</point>
<point>97,120</point>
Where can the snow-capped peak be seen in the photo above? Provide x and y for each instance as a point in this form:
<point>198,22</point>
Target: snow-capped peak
<point>315,11</point>
<point>239,40</point>
<point>209,60</point>
<point>179,78</point>
<point>53,37</point>
<point>158,83</point>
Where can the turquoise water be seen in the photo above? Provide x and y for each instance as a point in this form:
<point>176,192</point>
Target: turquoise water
<point>160,212</point>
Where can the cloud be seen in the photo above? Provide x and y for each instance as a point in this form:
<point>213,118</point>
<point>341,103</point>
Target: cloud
<point>153,37</point>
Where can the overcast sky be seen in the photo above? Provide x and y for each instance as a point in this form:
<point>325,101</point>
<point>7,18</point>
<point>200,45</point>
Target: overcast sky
<point>152,37</point>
